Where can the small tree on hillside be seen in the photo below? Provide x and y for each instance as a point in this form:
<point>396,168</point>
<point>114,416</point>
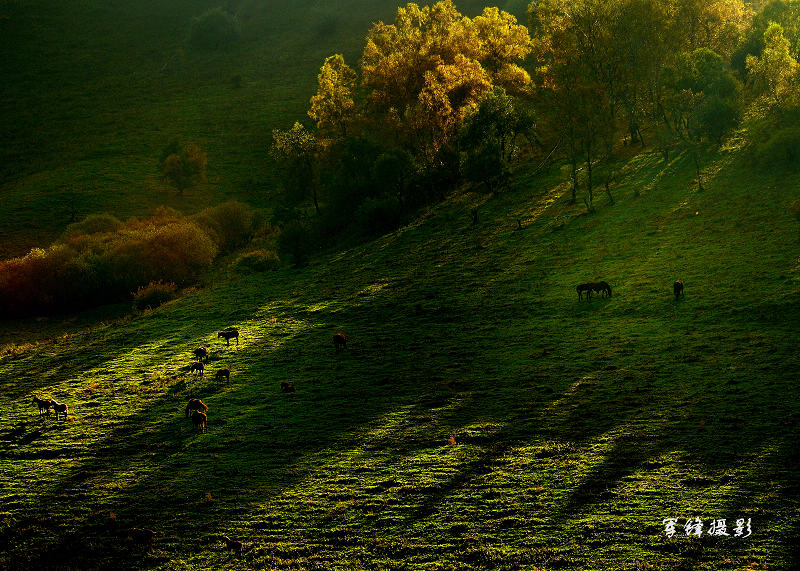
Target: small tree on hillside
<point>183,167</point>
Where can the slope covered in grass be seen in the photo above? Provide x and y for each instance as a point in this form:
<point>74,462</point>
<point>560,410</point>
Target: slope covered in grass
<point>482,416</point>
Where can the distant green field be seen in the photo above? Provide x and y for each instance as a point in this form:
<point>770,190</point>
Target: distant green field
<point>576,426</point>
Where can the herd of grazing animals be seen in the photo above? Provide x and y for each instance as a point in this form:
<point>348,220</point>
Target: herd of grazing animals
<point>198,410</point>
<point>45,406</point>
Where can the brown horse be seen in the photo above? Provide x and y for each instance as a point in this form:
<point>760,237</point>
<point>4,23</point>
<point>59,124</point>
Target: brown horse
<point>223,374</point>
<point>228,334</point>
<point>201,353</point>
<point>677,289</point>
<point>194,405</point>
<point>199,366</point>
<point>58,408</point>
<point>44,406</point>
<point>199,420</point>
<point>340,341</point>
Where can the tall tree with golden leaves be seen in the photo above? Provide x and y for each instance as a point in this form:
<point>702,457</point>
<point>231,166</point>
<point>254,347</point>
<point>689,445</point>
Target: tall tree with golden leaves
<point>333,105</point>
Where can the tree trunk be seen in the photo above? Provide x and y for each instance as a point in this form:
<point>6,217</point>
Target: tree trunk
<point>697,166</point>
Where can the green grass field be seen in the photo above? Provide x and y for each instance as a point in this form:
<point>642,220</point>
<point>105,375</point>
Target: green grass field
<point>481,417</point>
<point>577,426</point>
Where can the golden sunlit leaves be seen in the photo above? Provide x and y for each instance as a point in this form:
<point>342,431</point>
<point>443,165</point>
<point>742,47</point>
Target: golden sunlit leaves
<point>430,68</point>
<point>333,104</point>
<point>451,91</point>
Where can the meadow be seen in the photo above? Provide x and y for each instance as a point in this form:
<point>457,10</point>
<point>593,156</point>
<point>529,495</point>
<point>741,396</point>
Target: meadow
<point>482,417</point>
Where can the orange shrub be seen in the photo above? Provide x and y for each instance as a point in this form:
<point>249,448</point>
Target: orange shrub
<point>99,262</point>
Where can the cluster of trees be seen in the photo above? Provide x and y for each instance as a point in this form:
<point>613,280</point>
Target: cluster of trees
<point>669,67</point>
<point>102,259</point>
<point>439,98</point>
<point>395,134</point>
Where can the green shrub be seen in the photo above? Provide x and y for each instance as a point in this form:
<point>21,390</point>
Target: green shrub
<point>780,150</point>
<point>231,224</point>
<point>154,294</point>
<point>214,29</point>
<point>257,261</point>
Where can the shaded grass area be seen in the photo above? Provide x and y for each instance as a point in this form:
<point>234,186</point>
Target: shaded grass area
<point>482,417</point>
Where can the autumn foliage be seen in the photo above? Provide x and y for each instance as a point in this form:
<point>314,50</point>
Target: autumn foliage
<point>102,259</point>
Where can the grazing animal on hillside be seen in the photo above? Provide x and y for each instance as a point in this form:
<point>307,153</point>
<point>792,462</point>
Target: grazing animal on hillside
<point>201,353</point>
<point>677,289</point>
<point>195,405</point>
<point>231,545</point>
<point>602,287</point>
<point>44,406</point>
<point>340,341</point>
<point>223,374</point>
<point>199,420</point>
<point>589,287</point>
<point>228,334</point>
<point>58,408</point>
<point>142,537</point>
<point>199,366</point>
<point>287,387</point>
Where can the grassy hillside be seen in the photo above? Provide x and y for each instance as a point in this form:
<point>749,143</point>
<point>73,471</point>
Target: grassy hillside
<point>576,426</point>
<point>93,91</point>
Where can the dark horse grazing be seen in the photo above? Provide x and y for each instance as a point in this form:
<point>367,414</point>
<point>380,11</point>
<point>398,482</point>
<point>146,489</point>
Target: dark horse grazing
<point>603,288</point>
<point>142,537</point>
<point>201,353</point>
<point>340,341</point>
<point>44,405</point>
<point>59,408</point>
<point>199,420</point>
<point>195,405</point>
<point>287,387</point>
<point>199,366</point>
<point>223,374</point>
<point>677,289</point>
<point>232,545</point>
<point>228,334</point>
<point>589,287</point>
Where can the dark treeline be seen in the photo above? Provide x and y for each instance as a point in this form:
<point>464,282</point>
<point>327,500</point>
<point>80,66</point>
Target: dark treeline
<point>440,99</point>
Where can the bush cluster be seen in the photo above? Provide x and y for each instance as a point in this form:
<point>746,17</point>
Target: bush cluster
<point>154,294</point>
<point>102,260</point>
<point>779,150</point>
<point>257,261</point>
